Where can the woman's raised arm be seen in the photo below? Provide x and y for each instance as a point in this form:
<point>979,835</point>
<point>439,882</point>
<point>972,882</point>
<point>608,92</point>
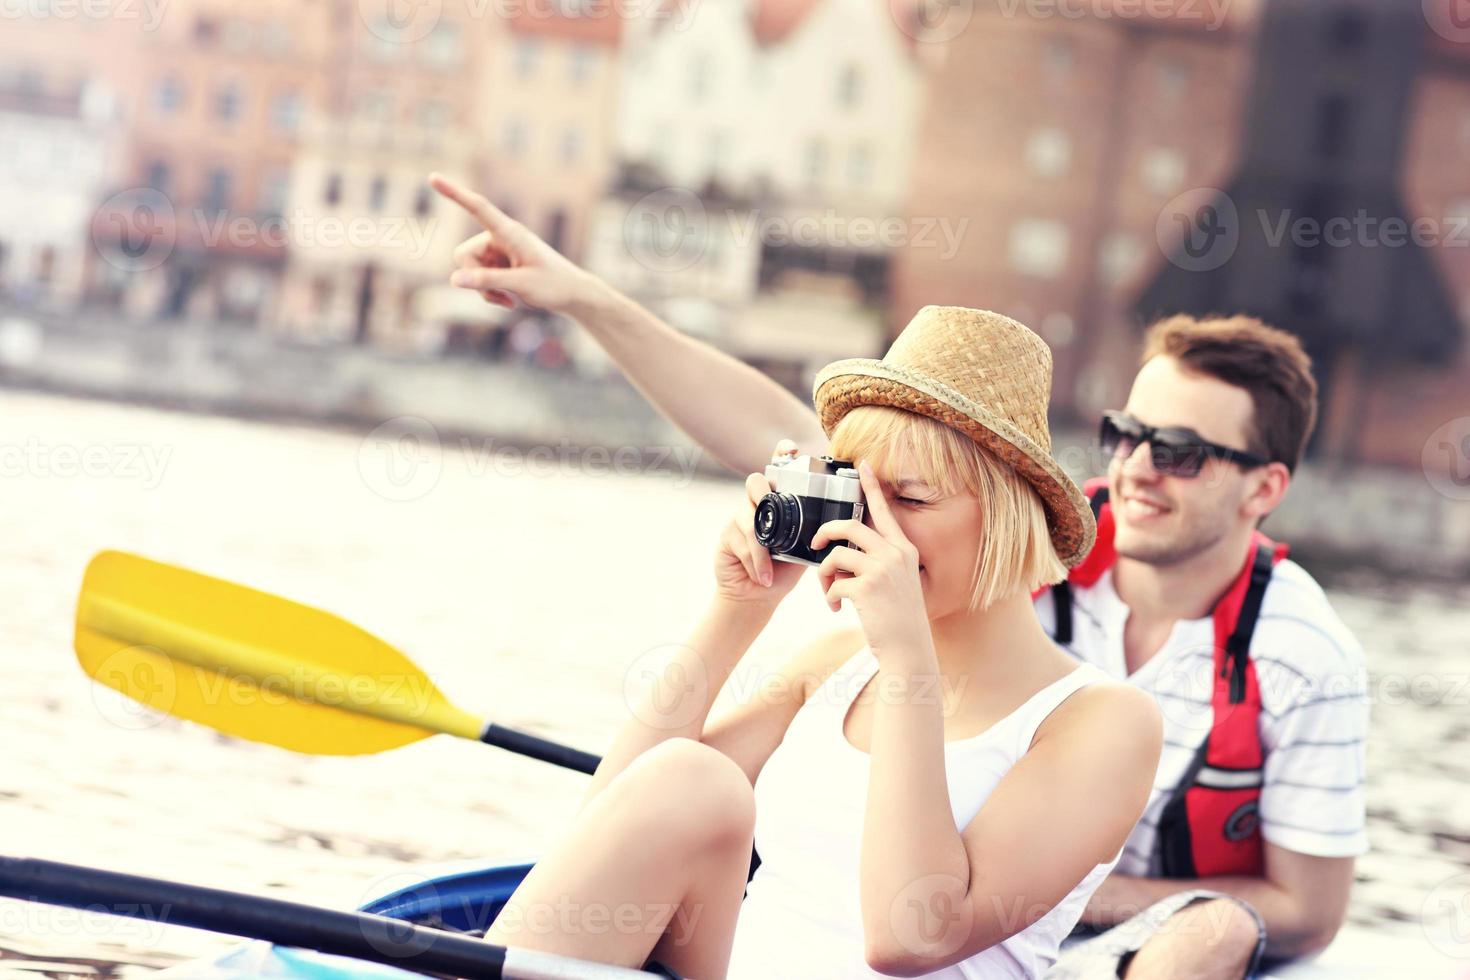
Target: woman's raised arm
<point>729,408</point>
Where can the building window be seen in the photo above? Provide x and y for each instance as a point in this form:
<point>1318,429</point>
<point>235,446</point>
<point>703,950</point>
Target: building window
<point>1058,329</point>
<point>850,87</point>
<point>237,36</point>
<point>275,39</point>
<point>583,61</point>
<point>1049,152</point>
<point>217,190</point>
<point>513,138</point>
<point>1057,58</point>
<point>378,193</point>
<point>434,115</point>
<point>1173,79</point>
<point>1119,258</point>
<point>332,192</point>
<point>168,97</point>
<point>375,106</point>
<point>860,165</point>
<point>1163,170</point>
<point>443,48</point>
<point>816,161</point>
<point>227,102</point>
<point>571,145</point>
<point>1038,247</point>
<point>286,112</point>
<point>528,51</point>
<point>273,188</point>
<point>158,176</point>
<point>556,229</point>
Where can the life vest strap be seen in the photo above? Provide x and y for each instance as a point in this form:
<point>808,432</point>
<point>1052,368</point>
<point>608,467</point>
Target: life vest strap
<point>1217,777</point>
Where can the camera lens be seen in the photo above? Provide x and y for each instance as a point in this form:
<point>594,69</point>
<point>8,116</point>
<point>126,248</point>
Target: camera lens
<point>778,522</point>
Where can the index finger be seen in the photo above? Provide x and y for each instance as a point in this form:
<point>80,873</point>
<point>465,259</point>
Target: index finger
<point>494,220</point>
<point>883,520</point>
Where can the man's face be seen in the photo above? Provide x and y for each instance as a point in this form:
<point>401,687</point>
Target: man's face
<point>1164,520</point>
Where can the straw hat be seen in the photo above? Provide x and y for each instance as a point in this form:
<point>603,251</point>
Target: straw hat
<point>984,374</point>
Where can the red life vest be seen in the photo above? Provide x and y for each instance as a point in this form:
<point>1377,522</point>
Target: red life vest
<point>1211,822</point>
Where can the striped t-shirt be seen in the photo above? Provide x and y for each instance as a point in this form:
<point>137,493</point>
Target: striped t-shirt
<point>1314,710</point>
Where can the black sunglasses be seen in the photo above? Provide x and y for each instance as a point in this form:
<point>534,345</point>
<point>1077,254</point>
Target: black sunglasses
<point>1175,452</point>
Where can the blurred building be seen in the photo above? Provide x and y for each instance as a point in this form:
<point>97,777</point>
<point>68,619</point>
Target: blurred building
<point>1063,138</point>
<point>366,234</point>
<point>215,100</point>
<point>760,143</point>
<point>1070,140</point>
<point>547,103</point>
<point>55,150</point>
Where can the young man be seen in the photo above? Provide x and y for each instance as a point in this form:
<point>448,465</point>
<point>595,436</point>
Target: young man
<point>1257,814</point>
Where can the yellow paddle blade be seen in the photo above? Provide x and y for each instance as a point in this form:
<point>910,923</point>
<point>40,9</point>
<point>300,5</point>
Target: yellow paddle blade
<point>252,664</point>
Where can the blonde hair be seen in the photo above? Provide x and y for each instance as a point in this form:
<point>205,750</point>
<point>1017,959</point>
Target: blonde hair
<point>1016,552</point>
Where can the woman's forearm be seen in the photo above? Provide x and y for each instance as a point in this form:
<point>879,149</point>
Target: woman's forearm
<point>675,695</point>
<point>733,411</point>
<point>914,864</point>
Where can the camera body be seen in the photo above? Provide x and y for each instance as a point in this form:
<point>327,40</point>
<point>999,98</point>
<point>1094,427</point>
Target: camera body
<point>807,492</point>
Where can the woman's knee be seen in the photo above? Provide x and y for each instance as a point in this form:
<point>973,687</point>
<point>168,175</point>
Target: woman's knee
<point>693,787</point>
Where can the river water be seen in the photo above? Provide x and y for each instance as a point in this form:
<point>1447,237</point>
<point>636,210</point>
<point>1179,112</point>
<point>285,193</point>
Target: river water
<point>528,585</point>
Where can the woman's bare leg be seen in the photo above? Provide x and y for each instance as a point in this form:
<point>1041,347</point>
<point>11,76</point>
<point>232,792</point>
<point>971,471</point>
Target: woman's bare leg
<point>654,865</point>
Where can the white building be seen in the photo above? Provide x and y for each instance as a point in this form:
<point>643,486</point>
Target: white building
<point>810,101</point>
<point>54,153</point>
<point>761,143</point>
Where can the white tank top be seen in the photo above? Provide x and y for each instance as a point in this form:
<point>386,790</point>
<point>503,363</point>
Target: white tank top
<point>801,916</point>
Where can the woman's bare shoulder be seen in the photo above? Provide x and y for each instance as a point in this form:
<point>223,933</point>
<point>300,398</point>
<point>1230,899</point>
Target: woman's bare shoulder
<point>1111,715</point>
<point>1112,711</point>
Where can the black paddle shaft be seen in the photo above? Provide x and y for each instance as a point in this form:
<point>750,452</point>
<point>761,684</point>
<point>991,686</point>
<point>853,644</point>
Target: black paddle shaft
<point>359,935</point>
<point>540,748</point>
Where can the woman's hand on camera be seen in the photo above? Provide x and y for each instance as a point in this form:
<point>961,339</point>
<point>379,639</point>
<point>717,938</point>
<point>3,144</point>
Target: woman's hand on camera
<point>744,569</point>
<point>877,571</point>
<point>507,261</point>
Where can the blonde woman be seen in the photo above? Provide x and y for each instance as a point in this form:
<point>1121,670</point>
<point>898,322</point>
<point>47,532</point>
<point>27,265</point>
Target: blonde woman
<point>936,795</point>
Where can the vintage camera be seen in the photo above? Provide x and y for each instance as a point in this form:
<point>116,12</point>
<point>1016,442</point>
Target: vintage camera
<point>807,492</point>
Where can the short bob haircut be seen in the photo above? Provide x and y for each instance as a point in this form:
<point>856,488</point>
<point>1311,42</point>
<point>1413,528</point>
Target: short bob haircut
<point>1016,554</point>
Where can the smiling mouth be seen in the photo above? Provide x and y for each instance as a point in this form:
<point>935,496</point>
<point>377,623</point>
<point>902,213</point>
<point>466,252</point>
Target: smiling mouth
<point>1140,508</point>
